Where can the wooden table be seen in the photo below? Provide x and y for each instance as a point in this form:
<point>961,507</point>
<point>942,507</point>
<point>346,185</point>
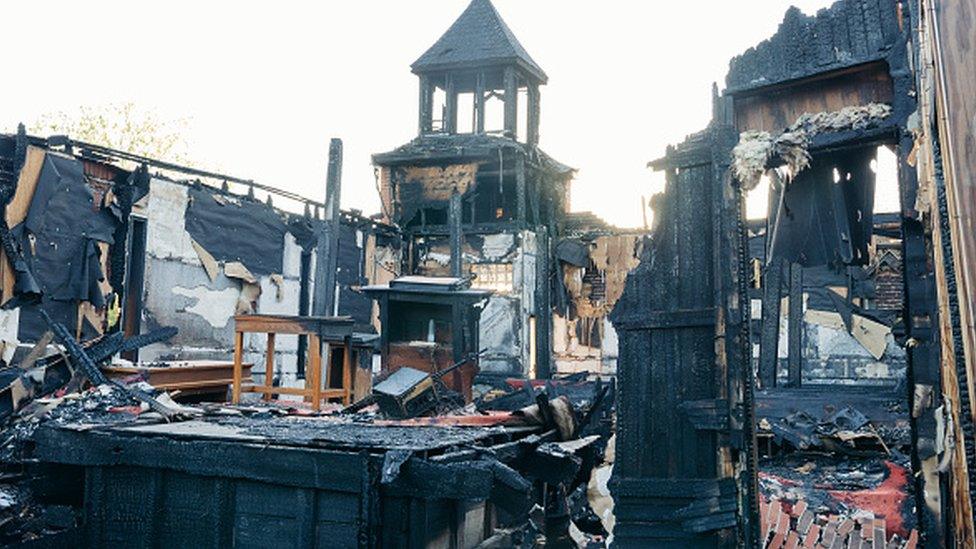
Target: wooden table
<point>333,331</point>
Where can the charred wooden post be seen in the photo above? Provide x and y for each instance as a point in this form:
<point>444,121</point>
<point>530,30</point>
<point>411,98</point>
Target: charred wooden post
<point>795,324</point>
<point>543,305</point>
<point>520,188</point>
<point>479,103</point>
<point>511,102</point>
<point>426,109</point>
<point>457,237</point>
<point>451,106</point>
<point>535,99</point>
<point>328,245</point>
<point>769,338</point>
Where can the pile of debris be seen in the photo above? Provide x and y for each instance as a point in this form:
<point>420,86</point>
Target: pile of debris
<point>844,431</point>
<point>839,480</point>
<point>528,448</point>
<point>48,386</point>
<point>837,501</point>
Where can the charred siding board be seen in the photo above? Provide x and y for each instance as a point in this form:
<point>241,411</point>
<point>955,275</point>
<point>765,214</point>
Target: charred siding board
<point>773,110</point>
<point>665,322</point>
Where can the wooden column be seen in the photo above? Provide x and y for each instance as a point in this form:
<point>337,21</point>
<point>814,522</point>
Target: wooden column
<point>451,110</point>
<point>479,104</point>
<point>426,110</point>
<point>769,337</point>
<point>328,244</point>
<point>511,103</point>
<point>534,113</point>
<point>795,320</point>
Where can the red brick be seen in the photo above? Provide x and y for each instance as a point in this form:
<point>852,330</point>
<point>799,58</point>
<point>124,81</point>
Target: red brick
<point>812,537</point>
<point>799,507</point>
<point>879,538</point>
<point>783,526</point>
<point>804,522</point>
<point>772,517</point>
<point>829,533</point>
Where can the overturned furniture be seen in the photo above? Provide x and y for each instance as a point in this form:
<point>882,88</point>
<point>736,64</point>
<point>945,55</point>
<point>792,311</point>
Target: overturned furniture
<point>430,323</point>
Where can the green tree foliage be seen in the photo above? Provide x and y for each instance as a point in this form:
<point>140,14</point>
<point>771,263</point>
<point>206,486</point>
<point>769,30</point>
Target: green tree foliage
<point>121,126</point>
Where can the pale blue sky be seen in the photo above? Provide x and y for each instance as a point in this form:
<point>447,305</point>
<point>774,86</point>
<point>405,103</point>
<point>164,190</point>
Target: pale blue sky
<point>264,85</point>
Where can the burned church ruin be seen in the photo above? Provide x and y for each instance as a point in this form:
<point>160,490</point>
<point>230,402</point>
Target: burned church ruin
<point>195,358</point>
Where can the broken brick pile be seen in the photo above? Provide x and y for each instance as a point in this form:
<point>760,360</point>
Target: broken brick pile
<point>793,525</point>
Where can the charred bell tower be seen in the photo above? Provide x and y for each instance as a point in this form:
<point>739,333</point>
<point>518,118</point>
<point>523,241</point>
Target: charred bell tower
<point>479,59</point>
<point>474,195</point>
